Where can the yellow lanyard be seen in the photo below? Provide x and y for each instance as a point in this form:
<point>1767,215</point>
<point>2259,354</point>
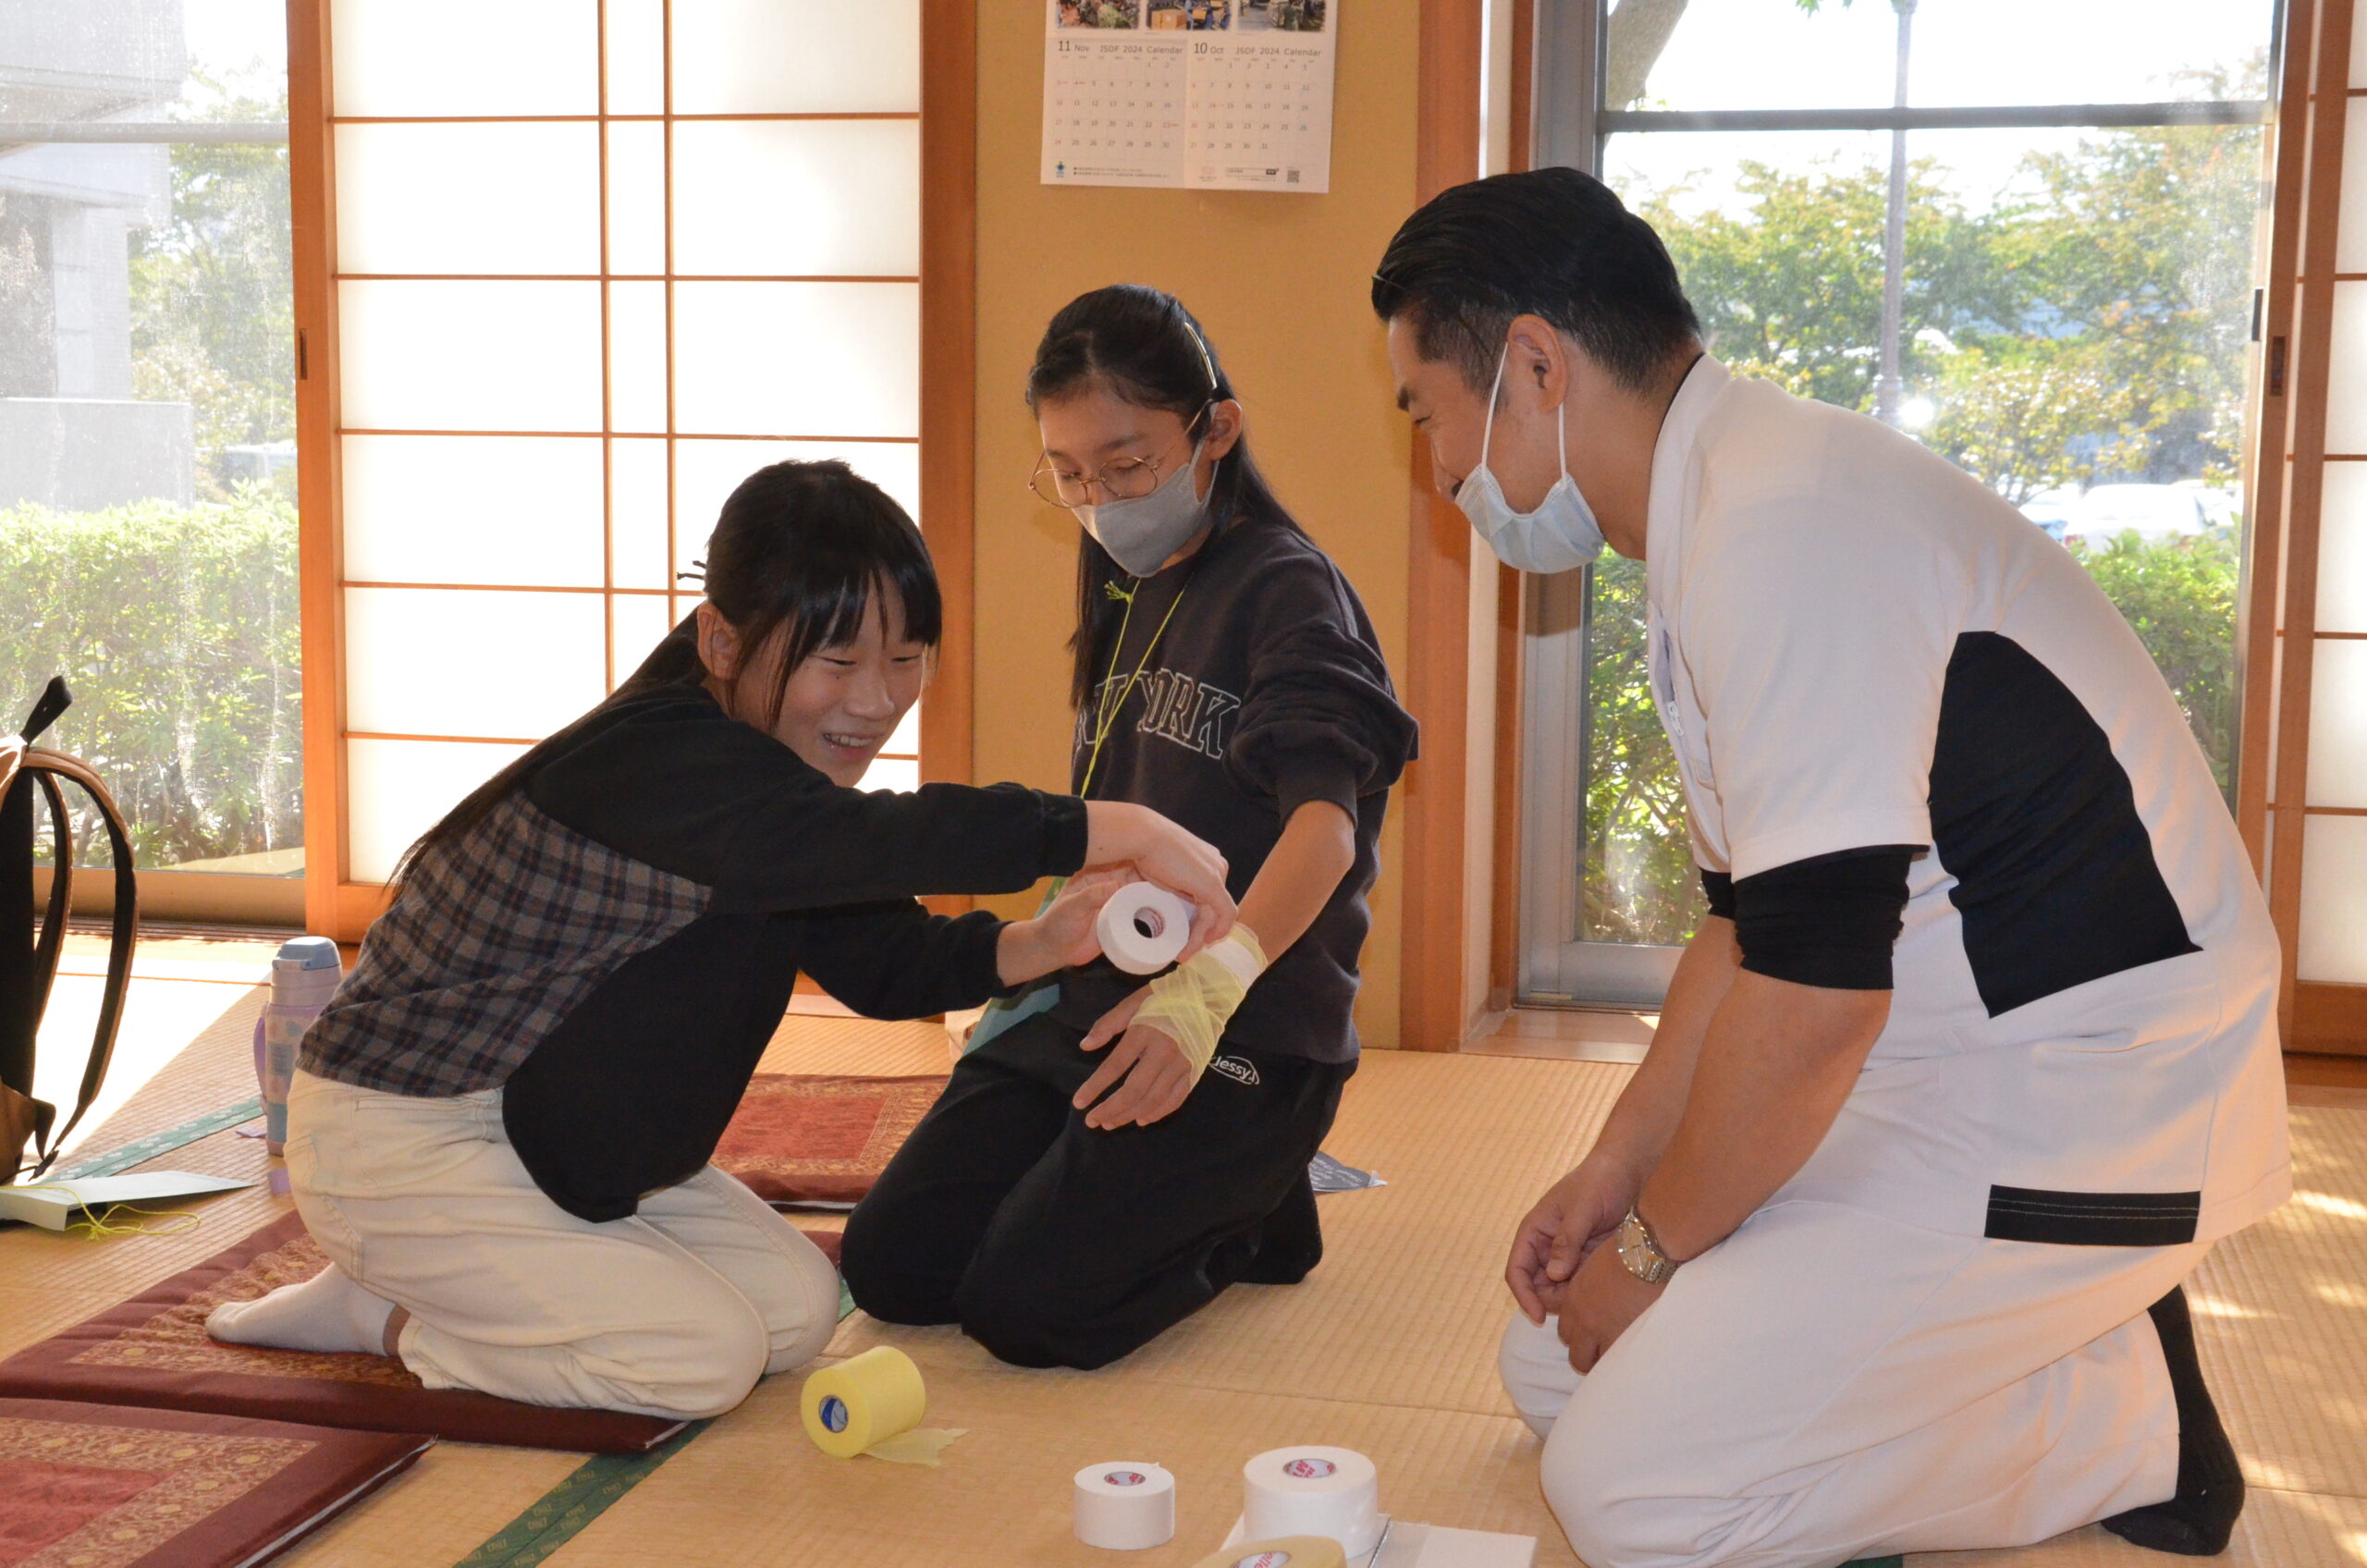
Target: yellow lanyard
<point>1105,707</point>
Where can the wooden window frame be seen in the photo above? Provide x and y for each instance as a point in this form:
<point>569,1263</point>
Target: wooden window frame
<point>2280,593</point>
<point>1455,974</point>
<point>335,903</point>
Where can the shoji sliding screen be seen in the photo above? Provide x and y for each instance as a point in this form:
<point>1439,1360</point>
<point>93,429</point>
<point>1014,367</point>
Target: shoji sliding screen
<point>2304,804</point>
<point>589,264</point>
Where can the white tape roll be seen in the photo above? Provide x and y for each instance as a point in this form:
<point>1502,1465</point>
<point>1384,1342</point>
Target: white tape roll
<point>1142,927</point>
<point>1125,1506</point>
<point>1312,1491</point>
<point>1292,1552</point>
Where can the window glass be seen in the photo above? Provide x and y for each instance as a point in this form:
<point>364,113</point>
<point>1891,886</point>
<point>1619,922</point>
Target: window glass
<point>147,423</point>
<point>2074,311</point>
<point>1710,54</point>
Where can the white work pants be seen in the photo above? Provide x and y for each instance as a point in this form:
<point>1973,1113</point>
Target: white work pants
<point>675,1312</point>
<point>1828,1384</point>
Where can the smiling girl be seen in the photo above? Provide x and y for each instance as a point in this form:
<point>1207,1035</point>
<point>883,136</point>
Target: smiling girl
<point>500,1128</point>
<point>1110,1156</point>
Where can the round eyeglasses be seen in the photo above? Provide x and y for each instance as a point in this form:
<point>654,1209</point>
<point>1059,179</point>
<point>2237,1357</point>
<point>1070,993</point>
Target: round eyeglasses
<point>1126,479</point>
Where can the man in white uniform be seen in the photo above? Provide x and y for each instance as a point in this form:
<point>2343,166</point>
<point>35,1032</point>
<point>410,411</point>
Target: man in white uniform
<point>1976,1052</point>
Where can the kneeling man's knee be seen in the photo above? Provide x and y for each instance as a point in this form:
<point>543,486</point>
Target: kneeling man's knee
<point>1615,1482</point>
<point>1535,1367</point>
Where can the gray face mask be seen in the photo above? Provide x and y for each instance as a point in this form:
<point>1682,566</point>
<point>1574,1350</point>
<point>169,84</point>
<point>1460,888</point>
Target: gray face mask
<point>1142,534</point>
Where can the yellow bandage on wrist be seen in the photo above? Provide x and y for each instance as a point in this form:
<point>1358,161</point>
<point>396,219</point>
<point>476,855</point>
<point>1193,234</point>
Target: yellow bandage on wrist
<point>1191,1004</point>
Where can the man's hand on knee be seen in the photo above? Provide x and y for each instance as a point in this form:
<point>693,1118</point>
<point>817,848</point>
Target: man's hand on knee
<point>1569,1223</point>
<point>1598,1304</point>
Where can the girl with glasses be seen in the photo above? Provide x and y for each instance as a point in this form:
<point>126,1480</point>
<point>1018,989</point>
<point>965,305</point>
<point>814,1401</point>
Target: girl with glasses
<point>1111,1155</point>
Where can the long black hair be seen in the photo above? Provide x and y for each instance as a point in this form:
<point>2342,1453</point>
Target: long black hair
<point>800,552</point>
<point>1143,345</point>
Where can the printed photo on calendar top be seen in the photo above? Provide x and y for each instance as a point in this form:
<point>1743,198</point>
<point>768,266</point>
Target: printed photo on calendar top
<point>1096,13</point>
<point>1192,15</point>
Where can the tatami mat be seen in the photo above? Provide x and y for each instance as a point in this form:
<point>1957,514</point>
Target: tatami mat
<point>216,1070</point>
<point>857,1046</point>
<point>1388,1348</point>
<point>2281,1313</point>
<point>440,1510</point>
<point>751,1491</point>
<point>1409,1301</point>
<point>2278,1530</point>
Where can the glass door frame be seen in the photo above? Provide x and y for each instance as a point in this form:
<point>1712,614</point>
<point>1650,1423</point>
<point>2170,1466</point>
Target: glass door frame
<point>1555,966</point>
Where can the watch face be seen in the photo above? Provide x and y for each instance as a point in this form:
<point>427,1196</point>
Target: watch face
<point>1637,1252</point>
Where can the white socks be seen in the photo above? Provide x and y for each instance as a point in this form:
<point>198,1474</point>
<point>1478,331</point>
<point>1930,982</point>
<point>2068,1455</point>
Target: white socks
<point>327,1312</point>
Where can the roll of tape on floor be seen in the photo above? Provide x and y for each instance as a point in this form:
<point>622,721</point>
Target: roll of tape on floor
<point>1312,1491</point>
<point>862,1400</point>
<point>1142,927</point>
<point>1285,1551</point>
<point>1125,1506</point>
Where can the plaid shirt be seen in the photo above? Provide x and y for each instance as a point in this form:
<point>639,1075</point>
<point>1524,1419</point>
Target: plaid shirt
<point>487,948</point>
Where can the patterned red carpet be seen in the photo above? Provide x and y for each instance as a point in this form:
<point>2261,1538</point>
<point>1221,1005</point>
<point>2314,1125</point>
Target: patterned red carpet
<point>102,1487</point>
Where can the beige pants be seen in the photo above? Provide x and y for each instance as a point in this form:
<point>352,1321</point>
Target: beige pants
<point>675,1312</point>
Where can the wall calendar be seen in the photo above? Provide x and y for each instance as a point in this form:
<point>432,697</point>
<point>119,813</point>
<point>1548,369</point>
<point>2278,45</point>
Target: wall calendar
<point>1189,94</point>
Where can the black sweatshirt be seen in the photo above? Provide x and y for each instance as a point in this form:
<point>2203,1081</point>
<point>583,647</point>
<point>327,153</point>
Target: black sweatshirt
<point>1265,691</point>
<point>615,945</point>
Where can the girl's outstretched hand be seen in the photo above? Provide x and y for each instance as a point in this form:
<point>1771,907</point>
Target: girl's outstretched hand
<point>1120,834</point>
<point>1068,924</point>
<point>1061,935</point>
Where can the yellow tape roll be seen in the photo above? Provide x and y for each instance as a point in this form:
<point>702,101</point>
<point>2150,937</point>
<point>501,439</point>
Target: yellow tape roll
<point>1287,1551</point>
<point>863,1401</point>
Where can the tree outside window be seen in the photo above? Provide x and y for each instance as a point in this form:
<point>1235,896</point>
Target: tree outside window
<point>147,420</point>
<point>2070,316</point>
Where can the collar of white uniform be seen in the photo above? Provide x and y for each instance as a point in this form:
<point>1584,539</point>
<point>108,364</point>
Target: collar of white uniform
<point>1672,458</point>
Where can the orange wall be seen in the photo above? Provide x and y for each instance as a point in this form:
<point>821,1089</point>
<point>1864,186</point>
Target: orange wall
<point>1280,281</point>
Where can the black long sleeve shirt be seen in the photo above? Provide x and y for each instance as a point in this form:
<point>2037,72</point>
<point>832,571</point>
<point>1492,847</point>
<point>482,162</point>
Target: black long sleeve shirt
<point>614,945</point>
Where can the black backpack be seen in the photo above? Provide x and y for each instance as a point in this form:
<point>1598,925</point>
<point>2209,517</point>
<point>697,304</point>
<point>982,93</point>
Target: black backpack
<point>30,950</point>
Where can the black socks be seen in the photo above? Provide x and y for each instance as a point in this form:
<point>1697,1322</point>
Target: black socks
<point>2197,1521</point>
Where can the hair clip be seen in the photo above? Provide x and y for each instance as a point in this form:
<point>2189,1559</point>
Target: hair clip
<point>1207,364</point>
<point>696,574</point>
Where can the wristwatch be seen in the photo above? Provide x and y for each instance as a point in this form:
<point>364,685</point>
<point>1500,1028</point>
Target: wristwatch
<point>1640,1251</point>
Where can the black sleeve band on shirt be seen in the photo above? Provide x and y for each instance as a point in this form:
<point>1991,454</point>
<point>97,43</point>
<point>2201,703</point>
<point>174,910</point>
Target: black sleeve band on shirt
<point>1830,921</point>
<point>1718,887</point>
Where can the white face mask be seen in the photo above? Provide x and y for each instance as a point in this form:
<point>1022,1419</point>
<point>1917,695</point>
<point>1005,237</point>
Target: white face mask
<point>1560,535</point>
<point>1141,534</point>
